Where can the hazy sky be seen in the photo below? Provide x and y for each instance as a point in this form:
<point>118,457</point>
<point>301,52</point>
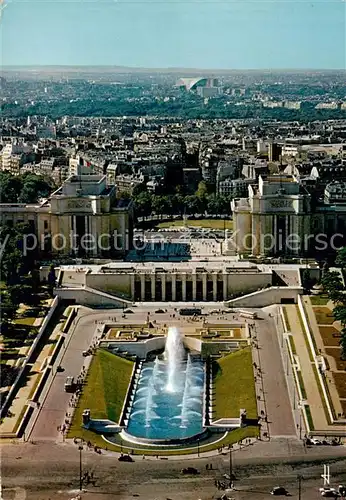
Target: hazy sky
<point>228,34</point>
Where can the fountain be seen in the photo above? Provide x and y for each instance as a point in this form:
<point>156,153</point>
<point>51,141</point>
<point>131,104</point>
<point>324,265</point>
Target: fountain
<point>174,354</point>
<point>168,402</point>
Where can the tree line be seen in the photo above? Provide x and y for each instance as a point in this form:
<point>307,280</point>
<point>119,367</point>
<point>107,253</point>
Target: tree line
<point>201,202</point>
<point>187,106</point>
<point>25,188</point>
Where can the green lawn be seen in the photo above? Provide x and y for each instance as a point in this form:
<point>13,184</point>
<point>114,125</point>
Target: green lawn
<point>309,418</point>
<point>301,384</point>
<point>324,316</point>
<point>107,382</point>
<point>234,385</point>
<point>293,346</point>
<point>286,319</point>
<point>311,356</point>
<point>25,321</point>
<point>231,437</point>
<point>206,223</point>
<point>319,300</point>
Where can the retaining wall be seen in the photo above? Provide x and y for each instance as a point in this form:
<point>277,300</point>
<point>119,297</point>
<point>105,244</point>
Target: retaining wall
<point>16,385</point>
<point>266,297</point>
<point>129,392</point>
<point>315,356</point>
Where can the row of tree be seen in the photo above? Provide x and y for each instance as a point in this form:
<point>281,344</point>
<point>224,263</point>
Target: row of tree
<point>186,106</point>
<point>148,204</point>
<point>26,188</point>
<point>334,287</point>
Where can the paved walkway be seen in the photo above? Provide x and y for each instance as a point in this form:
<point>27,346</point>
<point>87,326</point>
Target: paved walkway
<point>271,382</point>
<point>306,365</point>
<point>54,400</point>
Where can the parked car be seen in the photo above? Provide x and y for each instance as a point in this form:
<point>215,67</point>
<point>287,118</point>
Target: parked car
<point>316,441</point>
<point>125,458</point>
<point>330,492</point>
<point>190,470</point>
<point>342,489</point>
<point>69,384</point>
<point>279,491</point>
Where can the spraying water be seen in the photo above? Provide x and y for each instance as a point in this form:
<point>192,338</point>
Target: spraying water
<point>174,354</point>
<point>168,402</point>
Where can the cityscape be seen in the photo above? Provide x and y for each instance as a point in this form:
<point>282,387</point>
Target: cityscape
<point>172,252</point>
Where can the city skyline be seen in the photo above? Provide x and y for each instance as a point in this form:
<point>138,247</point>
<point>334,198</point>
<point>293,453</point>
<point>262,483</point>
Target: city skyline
<point>255,35</point>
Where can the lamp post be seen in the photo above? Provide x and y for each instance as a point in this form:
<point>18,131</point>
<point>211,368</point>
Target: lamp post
<point>230,467</point>
<point>300,423</point>
<point>80,447</point>
<point>300,487</point>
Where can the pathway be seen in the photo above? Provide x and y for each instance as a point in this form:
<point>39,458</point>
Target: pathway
<point>272,384</point>
<point>310,384</point>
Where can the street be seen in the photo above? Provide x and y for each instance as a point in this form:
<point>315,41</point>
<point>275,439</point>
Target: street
<point>50,471</point>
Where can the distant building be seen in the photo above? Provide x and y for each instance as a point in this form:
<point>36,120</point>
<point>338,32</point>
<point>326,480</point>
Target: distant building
<point>82,218</point>
<point>274,151</point>
<point>234,188</point>
<point>14,155</point>
<point>207,92</point>
<point>191,178</point>
<point>262,146</point>
<point>280,217</point>
<point>172,281</point>
<point>327,105</point>
<point>293,104</point>
<point>343,155</point>
<point>194,83</point>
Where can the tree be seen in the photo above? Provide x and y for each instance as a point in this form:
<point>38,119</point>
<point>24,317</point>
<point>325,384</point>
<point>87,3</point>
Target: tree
<point>143,204</point>
<point>339,313</point>
<point>8,311</point>
<point>159,205</point>
<point>123,195</point>
<point>140,188</point>
<point>331,281</point>
<point>306,279</point>
<point>51,279</point>
<point>178,204</point>
<point>10,187</point>
<point>202,191</point>
<point>16,293</point>
<point>33,188</point>
<point>17,259</point>
<point>192,204</point>
<point>341,257</point>
<point>343,343</point>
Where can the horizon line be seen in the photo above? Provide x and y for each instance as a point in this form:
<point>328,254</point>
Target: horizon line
<point>12,67</point>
